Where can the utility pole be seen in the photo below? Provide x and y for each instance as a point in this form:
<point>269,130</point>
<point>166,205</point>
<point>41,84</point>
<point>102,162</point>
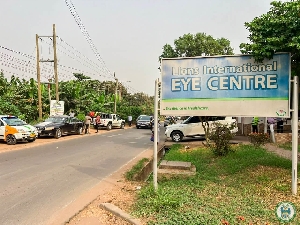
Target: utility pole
<point>38,72</point>
<point>54,61</point>
<point>55,64</point>
<point>116,93</point>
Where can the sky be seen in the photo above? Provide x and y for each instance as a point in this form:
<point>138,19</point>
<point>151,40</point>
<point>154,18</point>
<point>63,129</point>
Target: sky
<point>128,34</point>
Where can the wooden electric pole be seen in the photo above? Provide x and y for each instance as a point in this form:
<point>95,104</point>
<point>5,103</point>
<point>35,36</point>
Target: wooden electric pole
<point>55,64</point>
<point>38,73</point>
<point>116,93</point>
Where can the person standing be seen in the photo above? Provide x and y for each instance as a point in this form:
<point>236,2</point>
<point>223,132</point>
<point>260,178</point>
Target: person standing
<point>254,123</point>
<point>129,120</point>
<point>97,122</point>
<point>279,125</point>
<point>87,123</point>
<point>72,114</point>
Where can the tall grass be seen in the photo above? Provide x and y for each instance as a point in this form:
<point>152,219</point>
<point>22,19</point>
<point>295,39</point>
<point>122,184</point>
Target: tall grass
<point>243,187</point>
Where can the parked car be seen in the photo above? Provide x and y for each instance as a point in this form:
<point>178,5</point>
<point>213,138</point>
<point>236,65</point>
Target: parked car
<point>58,126</point>
<point>192,127</point>
<point>13,129</point>
<point>143,121</point>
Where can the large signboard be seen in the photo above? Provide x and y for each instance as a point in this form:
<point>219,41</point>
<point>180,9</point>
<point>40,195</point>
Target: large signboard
<point>57,107</point>
<point>226,86</point>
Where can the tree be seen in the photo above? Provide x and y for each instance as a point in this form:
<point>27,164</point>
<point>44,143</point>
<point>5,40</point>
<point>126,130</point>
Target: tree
<point>81,77</point>
<point>276,31</point>
<point>190,45</point>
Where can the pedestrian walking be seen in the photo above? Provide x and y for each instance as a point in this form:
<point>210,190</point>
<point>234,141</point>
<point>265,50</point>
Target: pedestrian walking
<point>97,121</point>
<point>254,123</point>
<point>129,120</point>
<point>87,123</point>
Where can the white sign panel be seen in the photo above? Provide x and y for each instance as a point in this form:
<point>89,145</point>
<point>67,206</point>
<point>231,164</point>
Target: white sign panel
<point>226,86</point>
<point>56,108</point>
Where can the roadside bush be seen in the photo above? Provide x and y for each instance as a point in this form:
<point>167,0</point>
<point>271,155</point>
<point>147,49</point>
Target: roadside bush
<point>220,136</point>
<point>81,116</point>
<point>258,139</point>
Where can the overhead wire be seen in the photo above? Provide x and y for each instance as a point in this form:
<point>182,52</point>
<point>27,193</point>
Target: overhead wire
<point>81,56</point>
<point>78,60</point>
<point>69,70</point>
<point>84,31</point>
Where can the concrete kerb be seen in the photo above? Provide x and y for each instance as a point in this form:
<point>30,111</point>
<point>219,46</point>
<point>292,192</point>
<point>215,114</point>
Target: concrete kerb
<point>119,213</point>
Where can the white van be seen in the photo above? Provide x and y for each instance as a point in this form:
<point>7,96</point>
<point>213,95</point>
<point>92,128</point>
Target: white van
<point>13,129</point>
<point>192,127</point>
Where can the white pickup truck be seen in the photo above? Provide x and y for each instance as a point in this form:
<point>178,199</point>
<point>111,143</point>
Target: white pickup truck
<point>110,121</point>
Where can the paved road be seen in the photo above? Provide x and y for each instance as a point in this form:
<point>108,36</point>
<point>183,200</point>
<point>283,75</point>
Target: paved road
<point>36,183</point>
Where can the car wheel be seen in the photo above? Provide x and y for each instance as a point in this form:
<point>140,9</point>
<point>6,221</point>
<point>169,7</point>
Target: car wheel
<point>57,133</point>
<point>122,126</point>
<point>176,136</point>
<point>108,127</point>
<point>137,127</point>
<point>11,139</point>
<point>79,130</point>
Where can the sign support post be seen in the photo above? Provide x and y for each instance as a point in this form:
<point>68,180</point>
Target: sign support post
<point>295,136</point>
<point>155,135</point>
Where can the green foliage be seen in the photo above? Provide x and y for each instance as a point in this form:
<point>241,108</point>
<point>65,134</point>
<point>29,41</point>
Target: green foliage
<point>199,44</point>
<point>81,116</point>
<point>221,136</point>
<point>80,76</point>
<point>276,31</point>
<point>288,146</point>
<point>19,97</point>
<point>136,169</point>
<point>243,184</point>
<point>258,139</point>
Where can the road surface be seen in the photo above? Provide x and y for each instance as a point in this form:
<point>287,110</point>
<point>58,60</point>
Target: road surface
<point>36,183</point>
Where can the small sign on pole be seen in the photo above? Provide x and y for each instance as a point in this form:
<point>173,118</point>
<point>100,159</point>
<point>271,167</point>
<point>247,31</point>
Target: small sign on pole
<point>57,108</point>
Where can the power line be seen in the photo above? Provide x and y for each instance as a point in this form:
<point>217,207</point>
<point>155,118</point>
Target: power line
<point>89,61</point>
<point>77,59</point>
<point>85,33</point>
<point>50,71</point>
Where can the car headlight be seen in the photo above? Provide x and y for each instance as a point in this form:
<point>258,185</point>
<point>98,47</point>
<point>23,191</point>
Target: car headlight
<point>49,128</point>
<point>21,131</point>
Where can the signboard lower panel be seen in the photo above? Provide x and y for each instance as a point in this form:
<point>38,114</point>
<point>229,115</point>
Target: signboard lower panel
<point>218,107</point>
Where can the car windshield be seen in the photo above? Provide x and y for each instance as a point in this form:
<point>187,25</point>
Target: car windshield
<point>56,119</point>
<point>144,118</point>
<point>14,121</point>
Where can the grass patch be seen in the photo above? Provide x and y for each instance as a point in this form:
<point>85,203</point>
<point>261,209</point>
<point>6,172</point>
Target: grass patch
<point>243,187</point>
<point>129,175</point>
<point>288,146</point>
